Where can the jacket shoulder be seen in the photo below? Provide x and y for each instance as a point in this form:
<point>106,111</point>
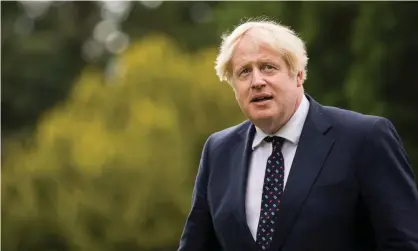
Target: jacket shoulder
<point>349,120</point>
<point>228,135</point>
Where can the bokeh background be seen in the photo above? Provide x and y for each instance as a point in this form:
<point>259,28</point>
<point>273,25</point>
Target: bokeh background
<point>106,106</point>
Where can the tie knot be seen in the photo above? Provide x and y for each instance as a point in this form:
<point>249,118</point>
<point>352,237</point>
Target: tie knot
<point>275,140</point>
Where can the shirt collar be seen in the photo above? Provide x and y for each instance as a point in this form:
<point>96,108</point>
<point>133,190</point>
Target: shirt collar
<point>292,130</point>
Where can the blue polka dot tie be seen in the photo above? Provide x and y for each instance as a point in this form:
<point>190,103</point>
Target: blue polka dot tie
<point>272,192</point>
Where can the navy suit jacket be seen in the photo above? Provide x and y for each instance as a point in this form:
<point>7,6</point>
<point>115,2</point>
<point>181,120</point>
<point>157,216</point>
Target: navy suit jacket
<point>351,187</point>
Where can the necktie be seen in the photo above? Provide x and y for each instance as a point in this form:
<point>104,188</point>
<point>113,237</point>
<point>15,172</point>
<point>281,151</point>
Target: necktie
<point>272,191</point>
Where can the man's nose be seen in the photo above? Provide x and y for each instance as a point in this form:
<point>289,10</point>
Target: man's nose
<point>257,80</point>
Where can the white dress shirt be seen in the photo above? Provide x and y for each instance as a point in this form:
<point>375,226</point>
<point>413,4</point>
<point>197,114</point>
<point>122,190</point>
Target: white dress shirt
<point>261,151</point>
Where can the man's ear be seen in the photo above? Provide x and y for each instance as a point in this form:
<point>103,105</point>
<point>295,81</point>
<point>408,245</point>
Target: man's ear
<point>235,92</point>
<point>231,83</point>
<point>299,78</point>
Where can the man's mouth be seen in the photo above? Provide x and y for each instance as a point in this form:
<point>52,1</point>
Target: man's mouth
<point>261,98</point>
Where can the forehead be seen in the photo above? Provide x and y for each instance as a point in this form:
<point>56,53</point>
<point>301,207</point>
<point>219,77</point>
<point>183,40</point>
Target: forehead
<point>249,50</point>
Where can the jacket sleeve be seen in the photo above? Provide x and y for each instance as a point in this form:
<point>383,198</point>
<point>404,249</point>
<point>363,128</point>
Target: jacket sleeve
<point>198,233</point>
<point>389,189</point>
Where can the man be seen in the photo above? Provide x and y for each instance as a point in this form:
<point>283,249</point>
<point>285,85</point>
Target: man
<point>297,176</point>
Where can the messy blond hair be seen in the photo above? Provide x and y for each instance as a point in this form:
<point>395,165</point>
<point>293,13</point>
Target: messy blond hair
<point>267,32</point>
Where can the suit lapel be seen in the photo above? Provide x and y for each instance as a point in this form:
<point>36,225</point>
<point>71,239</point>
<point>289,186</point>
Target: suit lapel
<point>242,154</point>
<point>313,149</point>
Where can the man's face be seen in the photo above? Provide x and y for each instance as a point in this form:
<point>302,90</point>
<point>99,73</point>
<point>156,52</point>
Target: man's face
<point>266,91</point>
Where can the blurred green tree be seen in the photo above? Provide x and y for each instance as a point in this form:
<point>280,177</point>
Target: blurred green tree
<point>44,47</point>
<point>111,168</point>
<point>40,59</point>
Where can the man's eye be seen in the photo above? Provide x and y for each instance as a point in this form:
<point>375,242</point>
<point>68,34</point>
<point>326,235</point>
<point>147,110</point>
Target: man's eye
<point>268,67</point>
<point>246,70</point>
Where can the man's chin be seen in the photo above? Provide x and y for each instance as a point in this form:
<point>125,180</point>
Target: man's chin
<point>261,117</point>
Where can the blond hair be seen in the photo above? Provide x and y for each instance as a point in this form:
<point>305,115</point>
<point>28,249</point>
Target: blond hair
<point>276,36</point>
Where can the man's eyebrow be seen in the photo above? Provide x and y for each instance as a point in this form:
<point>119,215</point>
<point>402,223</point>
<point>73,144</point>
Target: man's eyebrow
<point>240,66</point>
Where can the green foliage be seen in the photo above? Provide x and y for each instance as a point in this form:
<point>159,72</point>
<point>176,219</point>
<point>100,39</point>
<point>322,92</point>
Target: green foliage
<point>110,168</point>
<point>39,67</point>
<point>42,56</point>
